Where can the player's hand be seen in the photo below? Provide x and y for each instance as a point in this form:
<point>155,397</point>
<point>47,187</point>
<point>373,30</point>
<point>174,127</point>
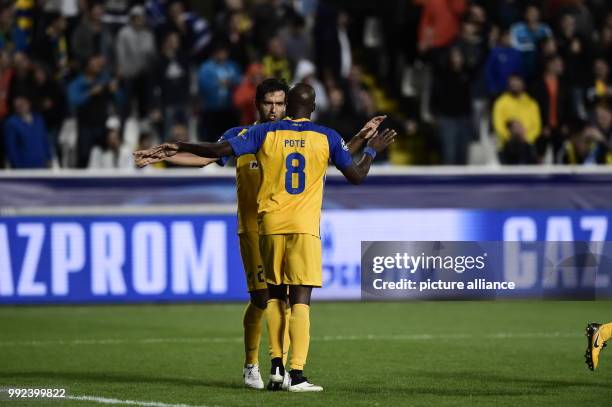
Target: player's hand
<point>152,155</point>
<point>381,141</point>
<point>369,129</point>
<point>142,158</point>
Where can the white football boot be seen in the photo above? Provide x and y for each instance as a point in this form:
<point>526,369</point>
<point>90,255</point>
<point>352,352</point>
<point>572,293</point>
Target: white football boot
<point>286,381</point>
<point>302,385</point>
<point>252,377</point>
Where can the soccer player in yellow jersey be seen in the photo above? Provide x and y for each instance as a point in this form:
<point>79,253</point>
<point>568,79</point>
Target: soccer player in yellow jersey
<point>270,103</point>
<point>293,155</point>
<point>597,336</point>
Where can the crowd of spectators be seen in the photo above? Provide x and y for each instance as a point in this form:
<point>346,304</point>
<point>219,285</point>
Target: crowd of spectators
<point>83,83</point>
<point>538,69</point>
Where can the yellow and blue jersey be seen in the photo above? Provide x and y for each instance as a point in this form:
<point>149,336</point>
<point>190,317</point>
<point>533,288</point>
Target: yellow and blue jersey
<point>248,178</point>
<point>293,157</point>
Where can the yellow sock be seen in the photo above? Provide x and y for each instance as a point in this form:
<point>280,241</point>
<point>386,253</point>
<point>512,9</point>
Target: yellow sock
<point>252,333</point>
<point>605,331</point>
<point>299,331</point>
<point>286,337</point>
<point>275,315</point>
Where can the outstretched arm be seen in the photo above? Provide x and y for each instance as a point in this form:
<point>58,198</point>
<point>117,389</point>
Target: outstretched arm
<point>357,172</point>
<point>208,151</point>
<point>189,160</point>
<point>366,132</point>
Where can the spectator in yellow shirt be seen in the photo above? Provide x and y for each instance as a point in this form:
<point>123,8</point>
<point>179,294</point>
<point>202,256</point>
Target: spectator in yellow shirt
<point>516,105</point>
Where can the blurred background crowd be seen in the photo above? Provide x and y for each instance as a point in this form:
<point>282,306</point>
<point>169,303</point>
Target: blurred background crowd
<point>84,83</point>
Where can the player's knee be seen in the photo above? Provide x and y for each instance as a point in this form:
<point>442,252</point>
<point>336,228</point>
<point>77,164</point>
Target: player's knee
<point>259,298</point>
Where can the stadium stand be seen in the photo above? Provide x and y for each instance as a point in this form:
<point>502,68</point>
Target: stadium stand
<point>439,69</point>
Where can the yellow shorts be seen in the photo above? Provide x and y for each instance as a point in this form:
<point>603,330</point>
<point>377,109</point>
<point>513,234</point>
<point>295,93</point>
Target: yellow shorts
<point>293,259</point>
<point>251,260</point>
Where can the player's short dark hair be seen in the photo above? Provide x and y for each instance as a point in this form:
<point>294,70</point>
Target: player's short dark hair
<point>270,85</point>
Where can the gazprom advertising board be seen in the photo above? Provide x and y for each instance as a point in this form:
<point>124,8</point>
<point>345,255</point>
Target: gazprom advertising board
<point>195,257</point>
<point>192,258</point>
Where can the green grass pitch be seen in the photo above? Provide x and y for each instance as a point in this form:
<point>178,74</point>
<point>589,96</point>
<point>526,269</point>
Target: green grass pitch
<point>516,353</point>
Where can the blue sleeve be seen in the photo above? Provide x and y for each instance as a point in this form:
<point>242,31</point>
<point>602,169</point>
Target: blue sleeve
<point>250,141</point>
<point>223,160</point>
<point>228,135</point>
<point>338,151</point>
<point>78,93</point>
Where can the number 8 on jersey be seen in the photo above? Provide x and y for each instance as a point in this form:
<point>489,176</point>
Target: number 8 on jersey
<point>298,171</point>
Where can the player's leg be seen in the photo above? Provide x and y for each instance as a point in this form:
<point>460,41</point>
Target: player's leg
<point>304,271</point>
<point>597,336</point>
<point>286,343</point>
<point>258,290</point>
<point>272,249</point>
<point>253,315</point>
<point>255,309</point>
<point>251,322</point>
<point>276,312</point>
<point>286,337</point>
<point>299,331</point>
<point>299,325</point>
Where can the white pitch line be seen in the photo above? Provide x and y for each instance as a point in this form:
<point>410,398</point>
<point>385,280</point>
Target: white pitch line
<point>326,338</point>
<point>104,400</point>
<point>427,337</point>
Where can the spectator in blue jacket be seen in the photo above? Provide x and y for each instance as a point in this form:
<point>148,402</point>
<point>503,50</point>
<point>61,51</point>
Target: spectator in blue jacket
<point>91,96</point>
<point>25,137</point>
<point>527,35</point>
<point>217,79</point>
<point>503,62</point>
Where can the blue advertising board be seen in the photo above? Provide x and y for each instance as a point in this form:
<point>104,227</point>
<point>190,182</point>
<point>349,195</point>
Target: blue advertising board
<point>144,258</point>
<point>119,259</point>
